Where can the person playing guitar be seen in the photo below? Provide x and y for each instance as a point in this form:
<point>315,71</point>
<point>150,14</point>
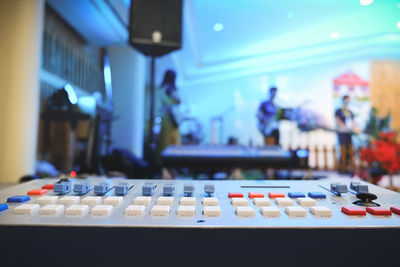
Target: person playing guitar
<point>268,123</point>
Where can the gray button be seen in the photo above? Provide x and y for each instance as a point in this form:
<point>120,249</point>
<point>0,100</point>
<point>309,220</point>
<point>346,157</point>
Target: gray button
<point>168,190</point>
<point>188,189</point>
<point>339,188</point>
<point>148,189</point>
<point>209,189</point>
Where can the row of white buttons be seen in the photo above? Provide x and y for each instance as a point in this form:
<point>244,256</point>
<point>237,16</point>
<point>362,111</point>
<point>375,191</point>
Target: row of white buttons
<point>268,211</point>
<point>284,201</point>
<point>318,211</point>
<point>117,200</point>
<point>73,200</point>
<point>162,211</point>
<point>56,210</point>
<point>184,201</point>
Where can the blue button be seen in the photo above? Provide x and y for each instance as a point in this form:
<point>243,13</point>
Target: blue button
<point>121,189</point>
<point>81,188</point>
<point>316,195</point>
<point>101,188</point>
<point>295,194</point>
<point>18,199</point>
<point>168,190</point>
<point>62,188</point>
<point>209,189</point>
<point>3,207</point>
<point>148,189</point>
<point>188,189</point>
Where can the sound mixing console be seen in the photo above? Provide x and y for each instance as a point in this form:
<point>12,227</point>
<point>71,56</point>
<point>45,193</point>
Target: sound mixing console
<point>106,217</point>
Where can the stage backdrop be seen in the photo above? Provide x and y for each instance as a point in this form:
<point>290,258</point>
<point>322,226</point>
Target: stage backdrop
<point>229,107</point>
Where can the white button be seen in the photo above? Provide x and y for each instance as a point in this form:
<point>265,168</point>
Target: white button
<point>165,201</point>
<point>135,210</point>
<point>92,201</point>
<point>69,200</point>
<point>212,211</point>
<point>115,201</point>
<point>321,211</point>
<point>188,201</point>
<point>284,201</point>
<point>186,211</point>
<point>306,201</point>
<point>160,211</point>
<point>296,211</point>
<point>52,210</point>
<point>77,210</point>
<point>245,211</point>
<point>102,210</point>
<point>260,201</point>
<point>142,201</point>
<point>27,209</point>
<point>47,200</point>
<point>239,201</point>
<point>270,211</point>
<point>210,201</point>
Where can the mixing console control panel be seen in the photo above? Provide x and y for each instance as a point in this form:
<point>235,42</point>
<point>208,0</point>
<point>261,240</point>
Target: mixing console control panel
<point>214,204</point>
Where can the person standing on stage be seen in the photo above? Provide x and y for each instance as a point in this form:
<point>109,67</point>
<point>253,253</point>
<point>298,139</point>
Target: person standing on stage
<point>268,123</point>
<point>345,128</point>
<point>345,122</point>
<point>167,107</point>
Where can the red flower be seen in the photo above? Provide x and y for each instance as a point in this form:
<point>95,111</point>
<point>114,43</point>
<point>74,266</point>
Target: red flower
<point>385,151</point>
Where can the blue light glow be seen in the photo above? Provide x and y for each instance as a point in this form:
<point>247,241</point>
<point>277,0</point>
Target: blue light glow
<point>302,153</point>
<point>107,77</point>
<point>218,27</point>
<point>87,105</point>
<point>107,74</point>
<point>71,94</point>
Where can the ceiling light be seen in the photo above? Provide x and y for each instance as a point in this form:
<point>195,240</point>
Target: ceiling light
<point>218,27</point>
<point>334,35</point>
<point>290,15</point>
<point>366,2</point>
<point>398,24</point>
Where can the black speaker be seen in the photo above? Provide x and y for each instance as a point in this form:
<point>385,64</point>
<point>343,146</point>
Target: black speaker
<point>156,26</point>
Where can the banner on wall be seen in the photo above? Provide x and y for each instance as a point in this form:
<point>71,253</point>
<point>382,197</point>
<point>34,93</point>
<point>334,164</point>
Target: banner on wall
<point>357,88</point>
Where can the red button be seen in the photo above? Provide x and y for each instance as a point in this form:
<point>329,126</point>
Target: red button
<point>275,194</point>
<point>48,186</point>
<point>37,192</point>
<point>353,211</point>
<point>395,210</point>
<point>255,194</point>
<point>231,195</point>
<point>378,211</point>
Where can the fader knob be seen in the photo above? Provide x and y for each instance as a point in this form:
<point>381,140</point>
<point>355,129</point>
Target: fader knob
<point>365,199</point>
<point>338,189</point>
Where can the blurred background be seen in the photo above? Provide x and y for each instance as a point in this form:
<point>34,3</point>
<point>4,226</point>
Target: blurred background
<point>81,96</point>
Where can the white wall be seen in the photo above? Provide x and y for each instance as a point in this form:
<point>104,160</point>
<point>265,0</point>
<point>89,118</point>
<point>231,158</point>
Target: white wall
<point>128,76</point>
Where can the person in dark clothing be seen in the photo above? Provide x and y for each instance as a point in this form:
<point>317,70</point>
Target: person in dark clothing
<point>268,123</point>
<point>346,127</point>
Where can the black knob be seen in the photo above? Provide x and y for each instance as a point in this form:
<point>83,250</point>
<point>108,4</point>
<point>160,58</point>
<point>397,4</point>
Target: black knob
<point>365,199</point>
